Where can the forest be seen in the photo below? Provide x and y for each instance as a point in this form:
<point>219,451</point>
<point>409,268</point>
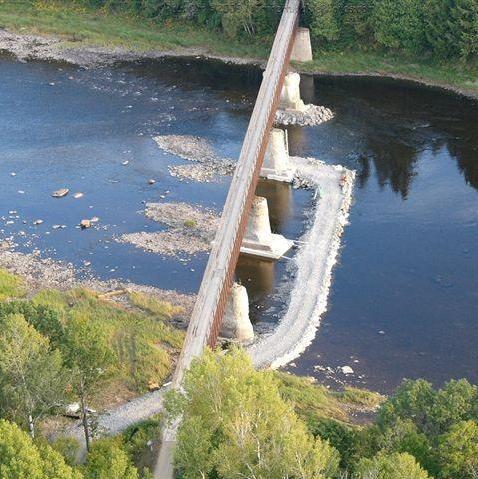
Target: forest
<point>440,29</point>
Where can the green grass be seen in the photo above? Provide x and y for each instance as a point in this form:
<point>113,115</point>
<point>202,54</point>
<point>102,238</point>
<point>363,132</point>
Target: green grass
<point>83,26</point>
<point>143,343</point>
<point>314,402</point>
<point>161,309</point>
<point>11,286</point>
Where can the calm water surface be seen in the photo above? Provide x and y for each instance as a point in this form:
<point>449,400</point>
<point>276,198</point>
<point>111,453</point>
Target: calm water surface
<point>404,301</point>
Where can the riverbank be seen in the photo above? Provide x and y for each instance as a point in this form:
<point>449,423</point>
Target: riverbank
<point>91,37</point>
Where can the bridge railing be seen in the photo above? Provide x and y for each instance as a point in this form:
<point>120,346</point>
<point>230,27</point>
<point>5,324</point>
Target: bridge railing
<point>217,281</point>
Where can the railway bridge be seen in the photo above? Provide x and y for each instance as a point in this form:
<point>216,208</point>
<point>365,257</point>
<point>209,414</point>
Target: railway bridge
<point>291,42</point>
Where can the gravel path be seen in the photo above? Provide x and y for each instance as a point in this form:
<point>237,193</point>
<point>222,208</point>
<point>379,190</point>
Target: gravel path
<point>313,264</point>
<point>119,419</point>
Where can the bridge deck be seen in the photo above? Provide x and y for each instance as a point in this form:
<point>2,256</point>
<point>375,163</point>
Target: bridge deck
<point>218,277</point>
<point>210,305</point>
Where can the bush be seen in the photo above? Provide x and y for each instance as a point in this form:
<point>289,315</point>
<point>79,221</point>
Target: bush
<point>399,25</point>
<point>394,466</point>
<point>458,451</point>
<point>107,460</point>
<point>321,19</point>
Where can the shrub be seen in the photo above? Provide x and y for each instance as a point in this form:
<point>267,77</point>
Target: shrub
<point>458,451</point>
<point>107,460</point>
<point>399,24</point>
<point>393,466</point>
<point>321,18</point>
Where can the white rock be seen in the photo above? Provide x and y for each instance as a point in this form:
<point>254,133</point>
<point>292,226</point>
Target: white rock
<point>347,370</point>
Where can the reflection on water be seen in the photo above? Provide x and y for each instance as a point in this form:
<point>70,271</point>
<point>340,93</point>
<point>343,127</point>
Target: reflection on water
<point>404,301</point>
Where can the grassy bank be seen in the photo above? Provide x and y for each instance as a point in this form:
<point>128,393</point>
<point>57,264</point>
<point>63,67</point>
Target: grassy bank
<point>87,27</point>
<point>80,27</point>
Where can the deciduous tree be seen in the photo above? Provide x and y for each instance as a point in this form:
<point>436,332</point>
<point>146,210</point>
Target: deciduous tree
<point>235,424</point>
<point>32,377</point>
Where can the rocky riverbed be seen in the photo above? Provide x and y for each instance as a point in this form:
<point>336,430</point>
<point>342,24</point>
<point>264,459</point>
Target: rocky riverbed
<point>191,229</point>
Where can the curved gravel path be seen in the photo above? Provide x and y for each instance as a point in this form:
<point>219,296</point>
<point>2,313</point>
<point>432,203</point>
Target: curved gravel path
<point>314,262</point>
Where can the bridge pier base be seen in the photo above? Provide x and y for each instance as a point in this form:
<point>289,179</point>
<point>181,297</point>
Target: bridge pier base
<point>276,164</point>
<point>259,239</point>
<point>290,96</point>
<point>302,51</point>
<point>236,323</point>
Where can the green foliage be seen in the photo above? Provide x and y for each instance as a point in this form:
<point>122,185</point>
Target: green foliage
<point>136,339</point>
<point>68,447</point>
<point>107,460</point>
<point>20,458</point>
<point>399,24</point>
<point>43,318</point>
<point>458,451</point>
<point>393,466</point>
<point>32,377</point>
<point>433,412</point>
<point>404,436</point>
<point>236,424</point>
<point>11,286</point>
<point>88,352</point>
<point>137,437</point>
<point>322,21</point>
<point>161,309</point>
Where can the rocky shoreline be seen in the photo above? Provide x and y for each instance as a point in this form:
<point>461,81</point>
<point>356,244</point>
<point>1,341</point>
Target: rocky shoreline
<point>46,273</point>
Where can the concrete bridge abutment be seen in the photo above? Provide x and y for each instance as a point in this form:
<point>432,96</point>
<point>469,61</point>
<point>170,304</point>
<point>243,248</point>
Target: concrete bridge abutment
<point>258,238</point>
<point>236,324</point>
<point>302,50</point>
<point>277,165</point>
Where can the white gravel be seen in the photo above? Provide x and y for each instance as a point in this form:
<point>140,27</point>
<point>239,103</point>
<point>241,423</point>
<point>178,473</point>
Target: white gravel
<point>313,264</point>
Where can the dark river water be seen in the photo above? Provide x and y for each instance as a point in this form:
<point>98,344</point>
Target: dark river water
<point>404,300</point>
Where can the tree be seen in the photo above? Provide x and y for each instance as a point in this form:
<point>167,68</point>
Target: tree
<point>20,458</point>
<point>320,16</point>
<point>236,15</point>
<point>464,15</point>
<point>433,412</point>
<point>108,460</point>
<point>399,24</point>
<point>90,357</point>
<point>403,436</point>
<point>32,377</point>
<point>393,466</point>
<point>44,319</point>
<point>235,424</point>
<point>458,451</point>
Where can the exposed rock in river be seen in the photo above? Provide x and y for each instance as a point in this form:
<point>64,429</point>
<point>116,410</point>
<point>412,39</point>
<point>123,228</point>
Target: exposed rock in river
<point>191,229</point>
<point>193,148</point>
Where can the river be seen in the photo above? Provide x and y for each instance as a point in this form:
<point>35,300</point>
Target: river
<point>404,301</point>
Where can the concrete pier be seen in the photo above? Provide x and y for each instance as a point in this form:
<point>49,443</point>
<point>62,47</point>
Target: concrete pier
<point>236,323</point>
<point>290,96</point>
<point>258,238</point>
<point>302,50</point>
<point>276,164</point>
